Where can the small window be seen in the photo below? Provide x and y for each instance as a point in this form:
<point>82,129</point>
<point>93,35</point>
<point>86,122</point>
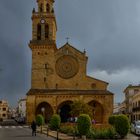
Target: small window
<point>44,79</point>
<point>48,8</point>
<point>93,85</point>
<point>4,115</point>
<point>136,91</point>
<point>46,66</point>
<point>4,109</point>
<point>56,86</point>
<point>38,53</point>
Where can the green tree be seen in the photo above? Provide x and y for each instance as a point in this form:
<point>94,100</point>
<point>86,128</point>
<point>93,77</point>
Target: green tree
<point>83,124</point>
<point>40,121</point>
<point>55,122</point>
<point>79,107</point>
<point>112,119</point>
<point>122,125</point>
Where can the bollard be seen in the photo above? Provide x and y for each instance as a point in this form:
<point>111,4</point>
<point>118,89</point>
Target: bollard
<point>47,131</point>
<point>57,135</point>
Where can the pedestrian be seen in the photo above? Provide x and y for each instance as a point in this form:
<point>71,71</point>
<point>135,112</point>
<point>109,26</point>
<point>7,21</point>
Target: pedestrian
<point>33,126</point>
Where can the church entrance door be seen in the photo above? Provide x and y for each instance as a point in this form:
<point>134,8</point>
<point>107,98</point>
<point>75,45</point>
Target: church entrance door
<point>64,110</point>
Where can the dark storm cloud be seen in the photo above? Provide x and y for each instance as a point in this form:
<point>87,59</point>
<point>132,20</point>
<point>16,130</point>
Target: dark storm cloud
<point>108,29</point>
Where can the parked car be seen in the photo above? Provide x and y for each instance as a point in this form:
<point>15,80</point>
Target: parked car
<point>20,120</point>
<point>135,127</point>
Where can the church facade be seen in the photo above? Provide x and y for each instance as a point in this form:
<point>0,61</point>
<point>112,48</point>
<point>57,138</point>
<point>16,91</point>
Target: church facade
<point>59,74</point>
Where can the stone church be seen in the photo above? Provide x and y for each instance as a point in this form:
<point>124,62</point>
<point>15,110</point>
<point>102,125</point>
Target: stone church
<point>59,74</point>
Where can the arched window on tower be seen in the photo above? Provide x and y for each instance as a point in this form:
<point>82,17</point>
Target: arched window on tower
<point>41,7</point>
<point>48,8</point>
<point>46,31</point>
<point>39,32</point>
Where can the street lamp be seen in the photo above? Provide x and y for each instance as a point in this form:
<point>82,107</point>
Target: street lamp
<point>43,112</point>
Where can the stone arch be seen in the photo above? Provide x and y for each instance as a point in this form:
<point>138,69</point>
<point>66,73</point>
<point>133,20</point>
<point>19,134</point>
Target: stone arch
<point>45,109</point>
<point>98,111</point>
<point>64,110</point>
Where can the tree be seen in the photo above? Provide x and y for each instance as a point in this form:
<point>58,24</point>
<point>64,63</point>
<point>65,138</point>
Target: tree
<point>83,125</point>
<point>120,123</point>
<point>79,107</point>
<point>40,121</point>
<point>55,122</point>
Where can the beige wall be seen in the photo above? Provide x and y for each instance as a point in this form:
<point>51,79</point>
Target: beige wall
<point>3,109</point>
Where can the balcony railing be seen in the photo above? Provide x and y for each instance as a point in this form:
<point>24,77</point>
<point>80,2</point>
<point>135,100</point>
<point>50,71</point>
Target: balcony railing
<point>135,109</point>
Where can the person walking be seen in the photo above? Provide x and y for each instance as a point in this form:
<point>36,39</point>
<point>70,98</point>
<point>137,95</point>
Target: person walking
<point>33,126</point>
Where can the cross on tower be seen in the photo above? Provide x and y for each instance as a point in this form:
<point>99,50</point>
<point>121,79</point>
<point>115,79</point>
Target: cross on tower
<point>67,38</point>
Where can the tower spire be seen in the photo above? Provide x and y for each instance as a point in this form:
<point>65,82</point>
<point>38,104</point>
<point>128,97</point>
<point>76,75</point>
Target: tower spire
<point>45,5</point>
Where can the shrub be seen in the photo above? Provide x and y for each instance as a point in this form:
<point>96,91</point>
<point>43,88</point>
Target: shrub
<point>55,122</point>
<point>122,125</point>
<point>83,124</point>
<point>103,133</point>
<point>39,120</point>
<point>111,120</point>
<point>70,130</point>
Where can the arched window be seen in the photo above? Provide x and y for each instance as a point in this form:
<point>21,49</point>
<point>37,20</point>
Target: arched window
<point>46,31</point>
<point>41,7</point>
<point>39,32</point>
<point>48,8</point>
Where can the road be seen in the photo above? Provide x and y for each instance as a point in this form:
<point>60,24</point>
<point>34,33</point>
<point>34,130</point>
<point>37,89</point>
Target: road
<point>18,132</point>
<point>10,130</point>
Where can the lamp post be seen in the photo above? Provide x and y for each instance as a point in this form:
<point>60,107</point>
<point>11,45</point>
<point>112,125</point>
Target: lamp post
<point>43,112</point>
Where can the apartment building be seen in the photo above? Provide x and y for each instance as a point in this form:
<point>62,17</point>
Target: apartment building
<point>132,101</point>
<point>4,109</point>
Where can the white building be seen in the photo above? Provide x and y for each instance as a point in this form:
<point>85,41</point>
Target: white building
<point>22,107</point>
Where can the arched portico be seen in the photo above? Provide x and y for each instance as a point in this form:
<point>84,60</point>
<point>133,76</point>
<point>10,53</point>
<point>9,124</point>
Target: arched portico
<point>98,111</point>
<point>64,110</point>
<point>45,109</point>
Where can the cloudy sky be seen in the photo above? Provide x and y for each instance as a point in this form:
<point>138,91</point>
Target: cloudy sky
<point>109,30</point>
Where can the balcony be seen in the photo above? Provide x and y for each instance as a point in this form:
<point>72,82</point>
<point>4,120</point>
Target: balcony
<point>135,109</point>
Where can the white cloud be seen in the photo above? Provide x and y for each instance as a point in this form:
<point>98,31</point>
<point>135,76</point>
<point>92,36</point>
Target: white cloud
<point>119,80</point>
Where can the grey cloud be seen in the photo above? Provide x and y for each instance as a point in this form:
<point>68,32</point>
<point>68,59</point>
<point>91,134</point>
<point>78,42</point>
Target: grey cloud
<point>107,29</point>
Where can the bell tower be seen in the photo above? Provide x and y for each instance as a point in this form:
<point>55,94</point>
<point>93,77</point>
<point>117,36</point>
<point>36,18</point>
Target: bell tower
<point>44,23</point>
<point>43,43</point>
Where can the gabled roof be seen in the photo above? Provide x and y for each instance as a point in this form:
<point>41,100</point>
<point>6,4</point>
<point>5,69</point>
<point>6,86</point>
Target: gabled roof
<point>68,45</point>
<point>98,80</point>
